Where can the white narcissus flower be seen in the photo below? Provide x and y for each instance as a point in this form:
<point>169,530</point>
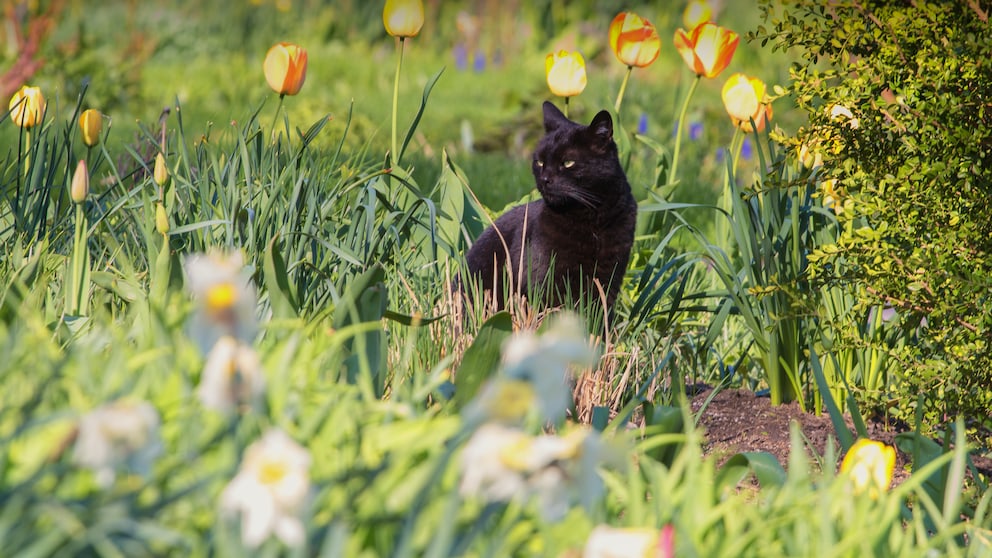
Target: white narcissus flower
<point>232,376</point>
<point>119,435</point>
<point>501,463</point>
<point>270,490</point>
<point>226,299</point>
<point>544,360</point>
<point>485,473</point>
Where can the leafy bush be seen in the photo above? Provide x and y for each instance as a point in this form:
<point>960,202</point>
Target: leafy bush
<point>898,99</point>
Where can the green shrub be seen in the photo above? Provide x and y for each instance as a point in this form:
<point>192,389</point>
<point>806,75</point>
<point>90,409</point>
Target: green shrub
<point>898,98</point>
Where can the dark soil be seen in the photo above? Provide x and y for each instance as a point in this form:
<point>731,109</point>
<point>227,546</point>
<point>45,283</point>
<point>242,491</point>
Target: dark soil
<point>737,421</point>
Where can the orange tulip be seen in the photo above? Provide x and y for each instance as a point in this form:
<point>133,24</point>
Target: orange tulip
<point>27,107</point>
<point>566,73</point>
<point>403,18</point>
<point>285,68</point>
<point>90,126</point>
<point>707,49</point>
<point>745,99</point>
<point>634,40</point>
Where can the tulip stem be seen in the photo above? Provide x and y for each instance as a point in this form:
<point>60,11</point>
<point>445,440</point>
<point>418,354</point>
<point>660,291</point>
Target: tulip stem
<point>394,154</point>
<point>623,89</point>
<point>678,131</point>
<point>566,107</point>
<point>275,120</point>
<point>80,263</point>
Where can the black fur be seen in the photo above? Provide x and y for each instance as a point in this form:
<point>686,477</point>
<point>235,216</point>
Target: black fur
<point>584,224</point>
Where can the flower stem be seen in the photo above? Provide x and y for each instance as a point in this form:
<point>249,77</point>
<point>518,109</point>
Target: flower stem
<point>678,132</point>
<point>275,120</point>
<point>394,153</point>
<point>623,89</point>
<point>80,263</point>
<point>566,107</point>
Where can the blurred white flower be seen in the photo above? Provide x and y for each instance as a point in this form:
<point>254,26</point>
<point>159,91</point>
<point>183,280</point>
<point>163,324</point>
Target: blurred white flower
<point>123,435</point>
<point>270,490</point>
<point>544,360</point>
<point>232,376</point>
<point>501,463</point>
<point>226,298</point>
<point>629,542</point>
<point>840,112</point>
<point>485,473</point>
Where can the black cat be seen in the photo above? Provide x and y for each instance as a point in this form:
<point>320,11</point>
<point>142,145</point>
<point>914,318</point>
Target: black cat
<point>581,230</point>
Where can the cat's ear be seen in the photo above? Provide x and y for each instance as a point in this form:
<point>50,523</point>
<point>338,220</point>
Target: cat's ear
<point>601,126</point>
<point>553,118</point>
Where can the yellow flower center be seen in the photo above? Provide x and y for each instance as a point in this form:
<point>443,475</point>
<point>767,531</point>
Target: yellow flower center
<point>271,472</point>
<point>221,297</point>
<point>516,456</point>
<point>512,400</point>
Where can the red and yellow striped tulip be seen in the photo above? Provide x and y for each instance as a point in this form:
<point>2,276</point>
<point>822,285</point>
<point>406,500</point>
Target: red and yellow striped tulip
<point>634,40</point>
<point>707,49</point>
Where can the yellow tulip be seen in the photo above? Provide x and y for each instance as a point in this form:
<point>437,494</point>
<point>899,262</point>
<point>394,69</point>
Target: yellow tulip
<point>697,12</point>
<point>870,465</point>
<point>80,185</point>
<point>566,72</point>
<point>285,68</point>
<point>161,172</point>
<point>403,18</point>
<point>90,126</point>
<point>161,219</point>
<point>634,40</point>
<point>707,49</point>
<point>27,107</point>
<point>745,99</point>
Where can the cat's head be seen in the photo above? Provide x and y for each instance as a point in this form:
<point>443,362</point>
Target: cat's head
<point>575,164</point>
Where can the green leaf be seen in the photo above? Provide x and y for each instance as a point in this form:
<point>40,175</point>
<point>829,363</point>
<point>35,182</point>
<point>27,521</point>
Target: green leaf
<point>664,419</point>
<point>364,301</point>
<point>762,464</point>
<point>482,358</point>
<point>420,113</point>
<point>277,282</point>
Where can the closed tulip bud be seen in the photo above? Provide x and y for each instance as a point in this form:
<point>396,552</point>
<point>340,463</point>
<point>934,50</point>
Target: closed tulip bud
<point>403,18</point>
<point>161,172</point>
<point>90,126</point>
<point>707,49</point>
<point>285,68</point>
<point>634,40</point>
<point>80,185</point>
<point>566,72</point>
<point>27,107</point>
<point>161,219</point>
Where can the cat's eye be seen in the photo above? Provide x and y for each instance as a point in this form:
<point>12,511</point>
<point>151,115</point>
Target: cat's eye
<point>539,163</point>
<point>568,164</point>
